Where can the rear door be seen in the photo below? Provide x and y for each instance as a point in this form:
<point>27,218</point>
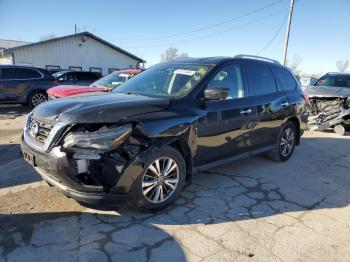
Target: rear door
<point>225,126</point>
<point>271,103</point>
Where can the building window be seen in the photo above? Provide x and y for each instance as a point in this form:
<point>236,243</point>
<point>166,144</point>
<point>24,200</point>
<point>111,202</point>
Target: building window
<point>110,70</point>
<point>53,68</point>
<point>96,69</point>
<point>75,68</point>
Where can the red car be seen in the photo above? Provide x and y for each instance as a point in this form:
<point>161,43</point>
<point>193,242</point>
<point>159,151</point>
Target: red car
<point>105,84</point>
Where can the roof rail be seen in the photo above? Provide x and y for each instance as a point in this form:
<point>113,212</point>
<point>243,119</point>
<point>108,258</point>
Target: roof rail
<point>258,58</point>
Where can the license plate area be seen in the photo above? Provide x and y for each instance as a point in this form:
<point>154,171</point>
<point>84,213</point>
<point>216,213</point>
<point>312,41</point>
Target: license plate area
<point>29,157</point>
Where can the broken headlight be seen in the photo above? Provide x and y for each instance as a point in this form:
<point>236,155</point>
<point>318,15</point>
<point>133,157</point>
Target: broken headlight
<point>102,140</point>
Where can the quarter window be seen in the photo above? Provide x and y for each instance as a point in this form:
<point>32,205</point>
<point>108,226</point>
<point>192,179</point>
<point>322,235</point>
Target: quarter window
<point>285,81</point>
<point>19,73</point>
<point>229,77</point>
<point>261,80</point>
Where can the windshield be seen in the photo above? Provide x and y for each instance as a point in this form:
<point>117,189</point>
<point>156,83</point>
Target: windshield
<point>112,80</point>
<point>165,80</point>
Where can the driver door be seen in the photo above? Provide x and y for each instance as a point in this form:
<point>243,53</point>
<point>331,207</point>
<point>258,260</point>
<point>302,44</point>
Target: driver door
<point>225,126</point>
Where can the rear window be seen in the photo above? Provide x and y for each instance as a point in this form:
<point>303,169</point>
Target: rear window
<point>260,79</point>
<point>285,80</point>
<point>19,74</point>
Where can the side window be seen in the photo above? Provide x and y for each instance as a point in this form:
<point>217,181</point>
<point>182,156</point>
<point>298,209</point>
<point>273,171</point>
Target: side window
<point>19,73</point>
<point>260,79</point>
<point>284,79</point>
<point>85,76</point>
<point>342,81</point>
<point>230,77</point>
<point>70,77</point>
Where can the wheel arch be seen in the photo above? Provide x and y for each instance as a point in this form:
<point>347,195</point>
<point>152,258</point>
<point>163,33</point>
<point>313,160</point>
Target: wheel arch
<point>296,123</point>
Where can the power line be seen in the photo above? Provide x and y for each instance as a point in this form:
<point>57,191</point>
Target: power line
<point>212,34</point>
<point>274,36</point>
<point>206,27</point>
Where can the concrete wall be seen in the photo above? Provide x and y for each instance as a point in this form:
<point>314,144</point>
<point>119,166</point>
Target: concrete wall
<point>80,51</point>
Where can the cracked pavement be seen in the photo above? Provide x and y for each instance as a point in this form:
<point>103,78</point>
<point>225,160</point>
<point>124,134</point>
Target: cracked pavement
<point>249,210</point>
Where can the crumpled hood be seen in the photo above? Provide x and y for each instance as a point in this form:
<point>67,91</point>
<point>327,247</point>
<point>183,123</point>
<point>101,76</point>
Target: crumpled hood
<point>69,90</point>
<point>327,91</point>
<point>97,108</point>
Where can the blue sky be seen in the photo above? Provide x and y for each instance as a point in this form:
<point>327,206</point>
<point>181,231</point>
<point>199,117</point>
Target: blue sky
<point>320,33</point>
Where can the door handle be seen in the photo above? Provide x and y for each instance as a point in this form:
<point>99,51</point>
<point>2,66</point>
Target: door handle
<point>285,104</point>
<point>246,111</point>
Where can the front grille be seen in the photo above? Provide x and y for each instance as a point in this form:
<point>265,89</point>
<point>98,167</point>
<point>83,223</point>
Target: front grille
<point>41,132</point>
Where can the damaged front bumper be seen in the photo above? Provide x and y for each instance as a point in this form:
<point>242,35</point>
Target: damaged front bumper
<point>328,112</point>
<point>104,178</point>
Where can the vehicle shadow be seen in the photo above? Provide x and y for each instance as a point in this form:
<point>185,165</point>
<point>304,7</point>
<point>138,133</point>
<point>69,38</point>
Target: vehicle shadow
<point>316,177</point>
<point>15,170</point>
<point>12,111</point>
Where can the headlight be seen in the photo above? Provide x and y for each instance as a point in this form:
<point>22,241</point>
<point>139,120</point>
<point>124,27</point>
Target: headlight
<point>101,140</point>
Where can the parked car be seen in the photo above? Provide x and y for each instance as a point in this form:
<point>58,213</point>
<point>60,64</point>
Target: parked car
<point>76,77</point>
<point>143,141</point>
<point>105,84</point>
<point>329,105</point>
<point>25,85</point>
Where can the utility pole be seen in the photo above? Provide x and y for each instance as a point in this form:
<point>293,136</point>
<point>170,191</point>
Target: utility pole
<point>75,29</point>
<point>287,33</point>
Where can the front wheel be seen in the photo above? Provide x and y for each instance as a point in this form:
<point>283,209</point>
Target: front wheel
<point>37,98</point>
<point>285,143</point>
<point>161,181</point>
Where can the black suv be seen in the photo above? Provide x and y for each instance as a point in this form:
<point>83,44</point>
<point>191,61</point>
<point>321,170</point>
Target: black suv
<point>76,77</point>
<point>25,85</point>
<point>143,141</point>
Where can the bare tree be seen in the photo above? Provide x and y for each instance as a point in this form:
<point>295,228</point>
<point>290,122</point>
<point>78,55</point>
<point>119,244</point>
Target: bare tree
<point>47,37</point>
<point>170,54</point>
<point>294,63</point>
<point>342,65</point>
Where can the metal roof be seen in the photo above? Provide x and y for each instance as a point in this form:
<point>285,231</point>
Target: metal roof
<point>5,44</point>
<point>79,34</point>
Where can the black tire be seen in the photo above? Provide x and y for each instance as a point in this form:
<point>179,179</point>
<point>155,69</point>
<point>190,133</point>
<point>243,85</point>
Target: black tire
<point>136,196</point>
<point>277,153</point>
<point>36,98</point>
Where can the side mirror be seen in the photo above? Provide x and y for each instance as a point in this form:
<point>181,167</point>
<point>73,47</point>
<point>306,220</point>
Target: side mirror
<point>216,93</point>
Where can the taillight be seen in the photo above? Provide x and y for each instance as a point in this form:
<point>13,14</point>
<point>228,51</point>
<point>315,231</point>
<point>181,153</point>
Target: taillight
<point>306,98</point>
<point>53,81</point>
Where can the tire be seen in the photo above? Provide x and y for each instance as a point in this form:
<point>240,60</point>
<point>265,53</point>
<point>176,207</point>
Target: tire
<point>285,143</point>
<point>36,98</point>
<point>144,192</point>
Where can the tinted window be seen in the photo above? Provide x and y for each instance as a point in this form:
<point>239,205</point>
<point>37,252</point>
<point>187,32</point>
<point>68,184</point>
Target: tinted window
<point>284,79</point>
<point>261,80</point>
<point>230,77</point>
<point>85,76</point>
<point>19,73</point>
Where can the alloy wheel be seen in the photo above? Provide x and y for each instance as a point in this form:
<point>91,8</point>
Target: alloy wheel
<point>38,99</point>
<point>160,180</point>
<point>287,142</point>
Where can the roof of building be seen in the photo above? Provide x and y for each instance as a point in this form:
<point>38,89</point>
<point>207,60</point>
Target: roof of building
<point>5,44</point>
<point>79,34</point>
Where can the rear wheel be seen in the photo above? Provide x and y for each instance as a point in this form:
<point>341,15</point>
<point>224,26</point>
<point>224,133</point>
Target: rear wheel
<point>37,98</point>
<point>285,143</point>
<point>161,182</point>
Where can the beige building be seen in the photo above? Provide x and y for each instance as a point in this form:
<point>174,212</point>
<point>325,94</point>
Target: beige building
<point>82,52</point>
